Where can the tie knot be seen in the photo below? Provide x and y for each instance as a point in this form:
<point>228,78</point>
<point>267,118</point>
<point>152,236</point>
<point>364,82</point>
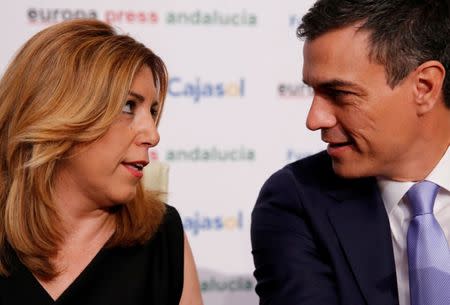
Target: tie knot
<point>421,197</point>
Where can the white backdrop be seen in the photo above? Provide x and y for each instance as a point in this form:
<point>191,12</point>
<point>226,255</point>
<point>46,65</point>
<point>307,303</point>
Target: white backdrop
<point>234,114</point>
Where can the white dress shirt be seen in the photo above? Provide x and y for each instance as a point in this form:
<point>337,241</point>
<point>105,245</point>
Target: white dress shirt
<point>399,215</point>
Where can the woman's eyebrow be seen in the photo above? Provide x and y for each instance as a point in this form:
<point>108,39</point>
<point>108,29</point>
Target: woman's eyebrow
<point>136,95</point>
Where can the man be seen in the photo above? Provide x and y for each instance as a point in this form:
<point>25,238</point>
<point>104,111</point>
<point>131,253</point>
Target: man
<point>331,228</point>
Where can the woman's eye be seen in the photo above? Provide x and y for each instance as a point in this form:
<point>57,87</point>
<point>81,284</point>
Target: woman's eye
<point>154,111</point>
<point>129,107</point>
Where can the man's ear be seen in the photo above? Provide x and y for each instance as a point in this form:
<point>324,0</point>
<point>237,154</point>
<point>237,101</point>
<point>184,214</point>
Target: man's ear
<point>429,79</point>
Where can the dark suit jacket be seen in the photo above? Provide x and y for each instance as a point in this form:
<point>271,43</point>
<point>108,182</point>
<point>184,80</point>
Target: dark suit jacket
<point>320,239</point>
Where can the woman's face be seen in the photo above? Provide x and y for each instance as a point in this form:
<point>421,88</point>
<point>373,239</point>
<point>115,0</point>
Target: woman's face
<point>107,171</point>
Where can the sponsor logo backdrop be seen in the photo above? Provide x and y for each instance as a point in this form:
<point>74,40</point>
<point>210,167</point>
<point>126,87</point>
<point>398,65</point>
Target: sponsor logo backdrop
<point>235,112</point>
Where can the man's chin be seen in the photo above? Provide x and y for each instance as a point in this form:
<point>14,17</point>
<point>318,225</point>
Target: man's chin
<point>349,170</point>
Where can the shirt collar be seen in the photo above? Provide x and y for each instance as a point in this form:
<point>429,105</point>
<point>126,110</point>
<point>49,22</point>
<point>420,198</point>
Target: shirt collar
<point>393,191</point>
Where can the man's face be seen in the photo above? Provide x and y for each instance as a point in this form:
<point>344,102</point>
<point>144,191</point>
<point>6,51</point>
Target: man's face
<point>368,125</point>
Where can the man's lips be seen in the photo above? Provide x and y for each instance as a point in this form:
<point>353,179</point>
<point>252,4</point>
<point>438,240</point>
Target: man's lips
<point>340,144</point>
<point>335,149</point>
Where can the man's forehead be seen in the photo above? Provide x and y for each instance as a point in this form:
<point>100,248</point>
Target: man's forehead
<point>344,35</point>
<point>339,50</point>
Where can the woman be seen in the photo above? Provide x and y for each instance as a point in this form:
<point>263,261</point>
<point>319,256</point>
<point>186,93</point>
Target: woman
<point>79,109</point>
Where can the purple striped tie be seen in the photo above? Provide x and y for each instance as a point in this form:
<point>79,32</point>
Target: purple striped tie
<point>428,252</point>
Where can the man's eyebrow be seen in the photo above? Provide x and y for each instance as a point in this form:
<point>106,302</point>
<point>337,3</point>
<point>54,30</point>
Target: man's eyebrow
<point>336,84</point>
<point>139,97</point>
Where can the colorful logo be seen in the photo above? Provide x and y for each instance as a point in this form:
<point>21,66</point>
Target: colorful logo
<point>212,154</point>
<point>198,17</point>
<point>293,155</point>
<point>294,20</point>
<point>153,154</point>
<point>198,89</point>
<point>288,90</point>
<point>233,284</point>
<point>201,223</point>
<point>131,17</point>
<point>53,15</point>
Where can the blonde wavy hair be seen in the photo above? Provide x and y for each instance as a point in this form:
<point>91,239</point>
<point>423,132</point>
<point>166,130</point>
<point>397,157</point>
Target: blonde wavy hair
<point>64,87</point>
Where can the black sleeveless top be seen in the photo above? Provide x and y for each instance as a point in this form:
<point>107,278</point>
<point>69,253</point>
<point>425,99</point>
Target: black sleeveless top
<point>148,274</point>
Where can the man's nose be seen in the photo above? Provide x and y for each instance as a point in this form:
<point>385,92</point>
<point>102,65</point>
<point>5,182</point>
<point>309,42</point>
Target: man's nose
<point>321,114</point>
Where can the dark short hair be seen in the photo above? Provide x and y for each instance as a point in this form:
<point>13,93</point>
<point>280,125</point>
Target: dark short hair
<point>403,33</point>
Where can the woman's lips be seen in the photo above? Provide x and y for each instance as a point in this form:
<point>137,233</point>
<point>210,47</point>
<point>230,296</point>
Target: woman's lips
<point>134,169</point>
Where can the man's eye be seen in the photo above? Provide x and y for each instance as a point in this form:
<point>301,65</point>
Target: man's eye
<point>129,107</point>
<point>338,93</point>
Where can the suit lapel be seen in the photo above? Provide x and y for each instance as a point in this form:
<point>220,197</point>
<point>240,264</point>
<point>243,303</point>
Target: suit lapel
<point>362,227</point>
